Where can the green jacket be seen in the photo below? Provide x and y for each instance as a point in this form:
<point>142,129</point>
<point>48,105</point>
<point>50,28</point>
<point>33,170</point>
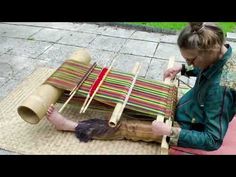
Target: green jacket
<point>206,110</point>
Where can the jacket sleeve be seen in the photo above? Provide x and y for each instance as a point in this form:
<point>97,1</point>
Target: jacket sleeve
<point>189,70</point>
<point>217,115</point>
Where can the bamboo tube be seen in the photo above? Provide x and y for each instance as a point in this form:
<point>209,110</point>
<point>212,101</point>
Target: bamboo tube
<point>34,108</point>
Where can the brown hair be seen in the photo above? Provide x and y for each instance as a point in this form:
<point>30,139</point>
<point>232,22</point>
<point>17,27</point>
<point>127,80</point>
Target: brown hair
<point>201,36</point>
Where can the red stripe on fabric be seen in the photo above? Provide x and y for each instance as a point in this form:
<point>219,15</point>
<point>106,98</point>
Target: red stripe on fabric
<point>158,87</point>
<point>126,78</point>
<point>111,94</point>
<point>121,87</point>
<point>148,95</point>
<point>79,65</point>
<point>61,84</point>
<point>87,88</point>
<point>106,93</point>
<point>142,103</point>
<point>70,72</point>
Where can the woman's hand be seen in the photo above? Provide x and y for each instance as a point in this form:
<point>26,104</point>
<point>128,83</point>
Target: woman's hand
<point>171,72</point>
<point>160,128</point>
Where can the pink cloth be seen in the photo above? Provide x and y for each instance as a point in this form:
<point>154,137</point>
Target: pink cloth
<point>228,146</point>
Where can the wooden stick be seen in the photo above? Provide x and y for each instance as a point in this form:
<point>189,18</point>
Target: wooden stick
<point>183,82</point>
<point>67,101</point>
<point>119,106</point>
<point>86,100</point>
<point>85,77</point>
<point>170,65</point>
<point>78,86</point>
<point>164,144</point>
<point>91,98</point>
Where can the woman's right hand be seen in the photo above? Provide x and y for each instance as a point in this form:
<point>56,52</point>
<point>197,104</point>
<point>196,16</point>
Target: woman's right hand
<point>171,72</point>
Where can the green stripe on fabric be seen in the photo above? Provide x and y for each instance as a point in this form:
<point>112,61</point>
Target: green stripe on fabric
<point>153,82</point>
<point>152,111</point>
<point>155,92</point>
<point>149,100</point>
<point>118,84</point>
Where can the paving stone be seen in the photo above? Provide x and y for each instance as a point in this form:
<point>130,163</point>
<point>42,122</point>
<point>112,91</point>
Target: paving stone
<point>165,51</point>
<point>77,39</point>
<point>102,57</point>
<point>6,44</point>
<point>233,45</point>
<point>137,47</point>
<point>17,31</point>
<point>107,43</point>
<point>26,71</point>
<point>142,35</point>
<point>125,63</point>
<point>63,25</point>
<point>11,64</point>
<point>89,28</point>
<point>58,53</point>
<point>169,39</point>
<point>2,80</point>
<point>231,36</point>
<point>156,69</point>
<point>51,35</point>
<point>54,64</point>
<point>6,70</point>
<point>17,67</point>
<point>6,88</point>
<point>28,48</point>
<point>116,32</point>
<point>56,25</point>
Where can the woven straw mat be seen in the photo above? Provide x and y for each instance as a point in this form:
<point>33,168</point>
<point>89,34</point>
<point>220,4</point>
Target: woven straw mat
<point>20,137</point>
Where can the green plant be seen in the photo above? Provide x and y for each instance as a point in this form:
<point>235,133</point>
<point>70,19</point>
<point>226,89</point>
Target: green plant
<point>226,26</point>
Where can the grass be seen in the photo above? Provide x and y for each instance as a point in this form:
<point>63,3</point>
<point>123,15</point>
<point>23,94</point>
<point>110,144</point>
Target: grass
<point>226,26</point>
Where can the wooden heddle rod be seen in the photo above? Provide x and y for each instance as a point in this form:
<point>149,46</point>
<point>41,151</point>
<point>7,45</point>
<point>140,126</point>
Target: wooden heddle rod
<point>78,85</point>
<point>97,84</point>
<point>119,108</point>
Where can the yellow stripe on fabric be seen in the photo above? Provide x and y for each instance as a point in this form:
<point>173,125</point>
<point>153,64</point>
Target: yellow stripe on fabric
<point>71,71</point>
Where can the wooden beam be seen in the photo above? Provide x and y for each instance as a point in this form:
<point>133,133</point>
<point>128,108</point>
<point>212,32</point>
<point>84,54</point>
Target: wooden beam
<point>168,121</point>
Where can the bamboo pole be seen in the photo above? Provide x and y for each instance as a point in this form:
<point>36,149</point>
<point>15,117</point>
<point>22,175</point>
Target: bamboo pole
<point>119,108</point>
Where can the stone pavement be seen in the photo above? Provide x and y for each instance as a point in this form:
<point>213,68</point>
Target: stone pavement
<point>27,46</point>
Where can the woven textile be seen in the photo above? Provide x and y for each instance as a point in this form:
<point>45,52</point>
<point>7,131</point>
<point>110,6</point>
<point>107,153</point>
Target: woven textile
<point>148,96</point>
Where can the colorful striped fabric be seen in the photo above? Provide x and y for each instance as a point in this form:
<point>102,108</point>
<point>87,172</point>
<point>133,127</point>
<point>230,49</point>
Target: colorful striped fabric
<point>148,96</point>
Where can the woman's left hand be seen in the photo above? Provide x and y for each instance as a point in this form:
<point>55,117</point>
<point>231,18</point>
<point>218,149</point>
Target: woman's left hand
<point>160,128</point>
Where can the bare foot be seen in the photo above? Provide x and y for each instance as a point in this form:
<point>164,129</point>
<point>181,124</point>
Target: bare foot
<point>59,121</point>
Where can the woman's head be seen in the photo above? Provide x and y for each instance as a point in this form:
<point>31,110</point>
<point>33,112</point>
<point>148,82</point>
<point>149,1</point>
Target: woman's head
<point>200,43</point>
